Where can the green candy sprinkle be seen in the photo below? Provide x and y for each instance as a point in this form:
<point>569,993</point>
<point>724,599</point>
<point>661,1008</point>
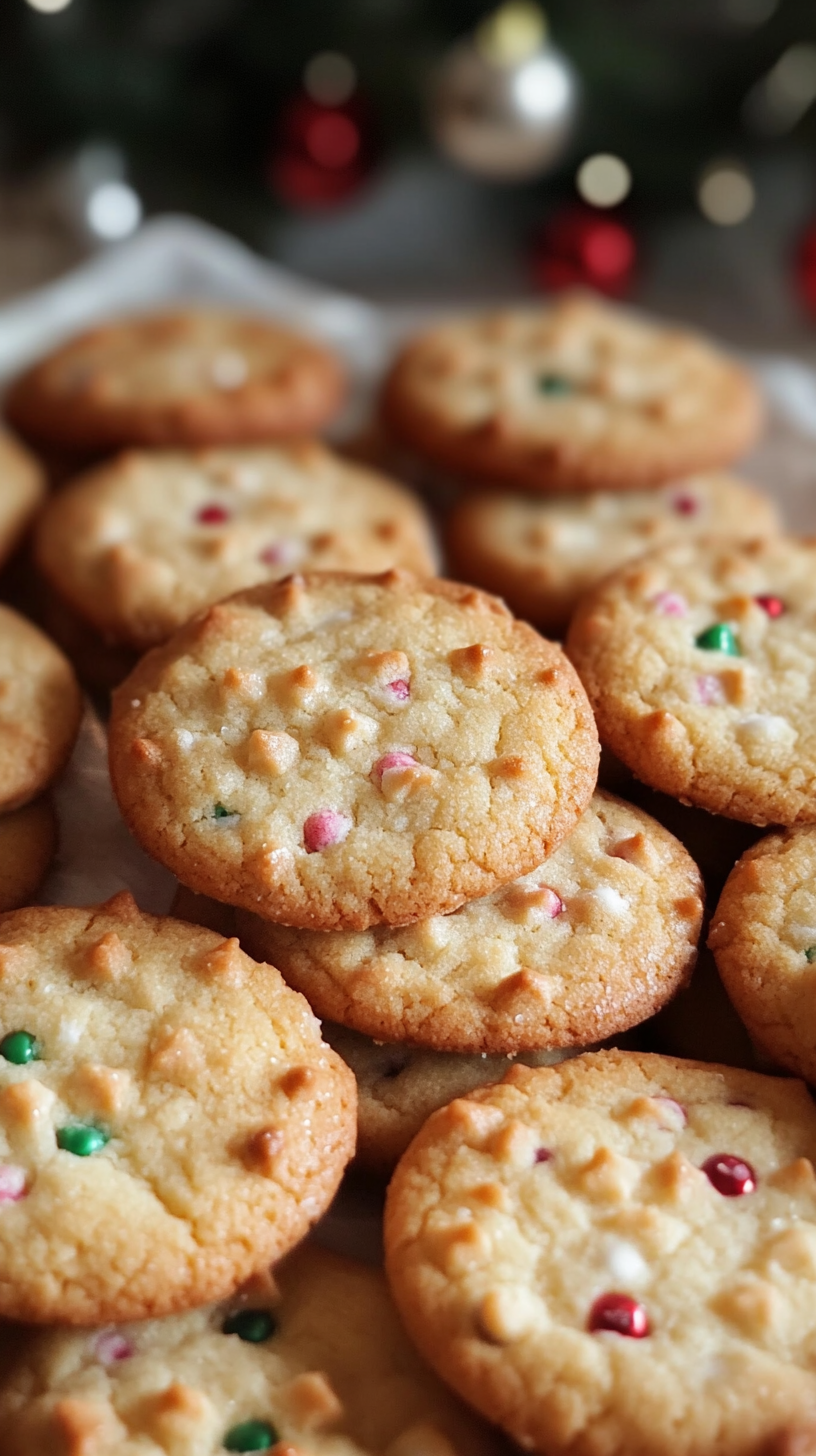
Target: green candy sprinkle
<point>81,1139</point>
<point>719,638</point>
<point>252,1325</point>
<point>219,812</point>
<point>553,384</point>
<point>810,954</point>
<point>251,1436</point>
<point>20,1047</point>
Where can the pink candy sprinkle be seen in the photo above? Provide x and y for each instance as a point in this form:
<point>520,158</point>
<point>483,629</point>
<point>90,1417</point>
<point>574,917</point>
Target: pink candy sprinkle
<point>676,1110</point>
<point>391,761</point>
<point>552,904</point>
<point>710,690</point>
<point>544,1155</point>
<point>277,554</point>
<point>212,516</point>
<point>324,829</point>
<point>686,505</point>
<point>399,689</point>
<point>670,604</point>
<point>12,1183</point>
<point>110,1348</point>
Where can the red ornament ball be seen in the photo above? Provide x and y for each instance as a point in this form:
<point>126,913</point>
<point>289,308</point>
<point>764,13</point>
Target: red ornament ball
<point>581,247</point>
<point>620,1315</point>
<point>805,267</point>
<point>322,154</point>
<point>730,1175</point>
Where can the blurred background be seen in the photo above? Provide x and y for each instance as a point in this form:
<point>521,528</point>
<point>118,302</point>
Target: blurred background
<point>662,150</point>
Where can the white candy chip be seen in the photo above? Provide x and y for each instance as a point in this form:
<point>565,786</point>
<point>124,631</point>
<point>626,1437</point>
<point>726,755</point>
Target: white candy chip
<point>625,1263</point>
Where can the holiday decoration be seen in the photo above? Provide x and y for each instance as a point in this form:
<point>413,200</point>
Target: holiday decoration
<point>504,101</point>
<point>583,248</point>
<point>324,149</point>
<point>805,267</point>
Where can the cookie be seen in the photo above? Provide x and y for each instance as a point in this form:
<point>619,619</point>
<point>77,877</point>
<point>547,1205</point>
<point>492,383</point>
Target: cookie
<point>310,1362</point>
<point>763,935</point>
<point>340,751</point>
<point>592,941</point>
<point>617,1254</point>
<point>195,377</point>
<point>28,840</point>
<point>575,395</point>
<point>700,662</point>
<point>144,541</point>
<point>170,1120</point>
<point>40,709</point>
<point>22,488</point>
<point>399,1086</point>
<point>541,555</point>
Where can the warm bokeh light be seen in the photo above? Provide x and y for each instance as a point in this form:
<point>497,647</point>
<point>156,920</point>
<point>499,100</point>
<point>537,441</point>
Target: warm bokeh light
<point>48,7</point>
<point>604,180</point>
<point>726,194</point>
<point>512,34</point>
<point>330,78</point>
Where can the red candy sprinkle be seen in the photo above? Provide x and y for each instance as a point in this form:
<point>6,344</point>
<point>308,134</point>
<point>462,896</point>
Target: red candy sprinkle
<point>111,1348</point>
<point>212,516</point>
<point>543,1155</point>
<point>324,829</point>
<point>730,1175</point>
<point>686,505</point>
<point>619,1313</point>
<point>391,761</point>
<point>774,606</point>
<point>399,689</point>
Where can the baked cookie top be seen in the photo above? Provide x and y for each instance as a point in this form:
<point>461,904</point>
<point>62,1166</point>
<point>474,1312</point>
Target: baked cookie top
<point>700,662</point>
<point>28,839</point>
<point>763,935</point>
<point>40,709</point>
<point>22,487</point>
<point>616,1254</point>
<point>399,1086</point>
<point>314,1358</point>
<point>341,751</point>
<point>170,1120</point>
<point>199,376</point>
<point>592,941</point>
<point>144,541</point>
<point>542,554</point>
<point>575,395</point>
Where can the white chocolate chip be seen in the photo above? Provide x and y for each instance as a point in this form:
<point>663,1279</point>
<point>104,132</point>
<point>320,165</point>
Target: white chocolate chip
<point>626,1264</point>
<point>763,735</point>
<point>185,739</point>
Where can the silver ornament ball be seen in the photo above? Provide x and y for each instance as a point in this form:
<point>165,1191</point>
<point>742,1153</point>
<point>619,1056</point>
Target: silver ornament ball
<point>504,102</point>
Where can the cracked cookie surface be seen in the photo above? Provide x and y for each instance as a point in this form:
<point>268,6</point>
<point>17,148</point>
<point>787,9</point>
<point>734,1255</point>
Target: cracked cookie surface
<point>541,555</point>
<point>763,935</point>
<point>575,396</point>
<point>170,1120</point>
<point>40,708</point>
<point>312,1357</point>
<point>617,1254</point>
<point>700,663</point>
<point>142,542</point>
<point>197,377</point>
<point>591,942</point>
<point>339,751</point>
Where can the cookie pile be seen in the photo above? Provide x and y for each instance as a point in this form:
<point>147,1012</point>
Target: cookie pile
<point>378,791</point>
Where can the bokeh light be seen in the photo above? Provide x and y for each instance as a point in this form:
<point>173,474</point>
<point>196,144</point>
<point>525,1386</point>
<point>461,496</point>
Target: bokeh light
<point>113,211</point>
<point>604,180</point>
<point>726,194</point>
<point>330,78</point>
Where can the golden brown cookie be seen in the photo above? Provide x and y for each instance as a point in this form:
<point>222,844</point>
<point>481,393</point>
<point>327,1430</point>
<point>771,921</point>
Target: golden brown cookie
<point>763,935</point>
<point>22,488</point>
<point>617,1254</point>
<point>40,709</point>
<point>574,395</point>
<point>340,751</point>
<point>138,545</point>
<point>170,1120</point>
<point>310,1361</point>
<point>700,663</point>
<point>542,553</point>
<point>592,941</point>
<point>28,840</point>
<point>195,377</point>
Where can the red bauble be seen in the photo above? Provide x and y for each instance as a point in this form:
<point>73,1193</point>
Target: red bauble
<point>584,248</point>
<point>322,154</point>
<point>805,266</point>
